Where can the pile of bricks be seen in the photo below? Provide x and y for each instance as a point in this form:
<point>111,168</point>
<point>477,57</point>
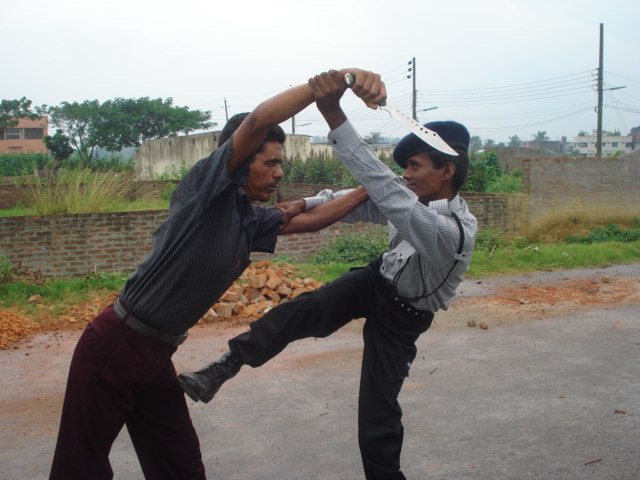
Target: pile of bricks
<point>261,287</point>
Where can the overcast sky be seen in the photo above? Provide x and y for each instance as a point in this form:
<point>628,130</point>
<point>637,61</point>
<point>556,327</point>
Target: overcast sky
<point>501,67</point>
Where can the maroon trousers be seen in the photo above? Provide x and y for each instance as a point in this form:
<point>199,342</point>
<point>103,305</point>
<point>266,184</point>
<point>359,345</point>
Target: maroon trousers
<point>117,377</point>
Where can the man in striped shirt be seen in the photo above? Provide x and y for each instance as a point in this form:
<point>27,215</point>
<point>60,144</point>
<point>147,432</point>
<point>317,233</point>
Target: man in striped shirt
<point>121,372</point>
<point>431,239</point>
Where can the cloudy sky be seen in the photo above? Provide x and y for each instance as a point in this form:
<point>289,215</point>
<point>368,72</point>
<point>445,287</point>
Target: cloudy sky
<point>502,67</point>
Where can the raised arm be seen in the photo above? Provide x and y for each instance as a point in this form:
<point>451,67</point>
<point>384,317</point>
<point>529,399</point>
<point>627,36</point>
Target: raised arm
<point>253,130</point>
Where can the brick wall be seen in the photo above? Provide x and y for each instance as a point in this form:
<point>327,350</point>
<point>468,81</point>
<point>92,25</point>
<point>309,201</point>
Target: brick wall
<point>69,245</point>
<point>10,196</point>
<point>598,189</point>
<point>72,245</point>
<point>555,190</point>
<point>506,212</point>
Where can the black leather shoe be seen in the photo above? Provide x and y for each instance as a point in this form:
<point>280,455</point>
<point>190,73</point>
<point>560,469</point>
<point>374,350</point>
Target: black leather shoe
<point>204,384</point>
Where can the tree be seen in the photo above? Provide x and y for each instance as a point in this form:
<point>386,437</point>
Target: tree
<point>59,145</point>
<point>129,122</point>
<point>122,123</point>
<point>483,170</point>
<point>376,137</point>
<point>12,110</point>
<point>582,133</point>
<point>79,122</point>
<point>540,137</point>
<point>475,144</point>
<point>489,143</point>
<point>514,141</point>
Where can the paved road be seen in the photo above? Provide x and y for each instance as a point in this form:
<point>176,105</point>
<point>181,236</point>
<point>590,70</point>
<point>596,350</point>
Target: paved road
<point>549,398</point>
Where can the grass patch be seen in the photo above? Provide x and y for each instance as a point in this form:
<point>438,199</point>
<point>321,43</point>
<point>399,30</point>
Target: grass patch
<point>130,206</point>
<point>495,255</point>
<point>513,261</point>
<point>58,295</point>
<point>17,211</point>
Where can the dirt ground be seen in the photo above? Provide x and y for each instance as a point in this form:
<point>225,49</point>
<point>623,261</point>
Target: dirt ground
<point>506,303</point>
<point>559,296</point>
<point>548,390</point>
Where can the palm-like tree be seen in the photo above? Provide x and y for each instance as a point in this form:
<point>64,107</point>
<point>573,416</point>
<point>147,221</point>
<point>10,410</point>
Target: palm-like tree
<point>540,137</point>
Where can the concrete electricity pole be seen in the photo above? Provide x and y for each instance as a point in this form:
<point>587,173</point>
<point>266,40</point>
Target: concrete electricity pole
<point>415,114</point>
<point>600,94</point>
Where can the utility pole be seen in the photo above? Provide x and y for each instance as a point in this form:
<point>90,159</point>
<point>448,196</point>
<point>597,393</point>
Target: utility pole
<point>415,114</point>
<point>600,94</point>
<point>226,114</point>
<point>293,125</point>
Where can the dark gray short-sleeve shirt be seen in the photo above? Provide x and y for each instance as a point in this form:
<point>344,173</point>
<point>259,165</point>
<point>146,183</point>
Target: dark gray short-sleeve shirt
<point>202,247</point>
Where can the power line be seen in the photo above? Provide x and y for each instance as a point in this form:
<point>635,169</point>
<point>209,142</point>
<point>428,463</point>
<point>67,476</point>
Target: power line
<point>479,90</point>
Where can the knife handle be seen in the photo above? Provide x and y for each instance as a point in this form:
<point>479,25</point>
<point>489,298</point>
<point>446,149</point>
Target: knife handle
<point>350,80</point>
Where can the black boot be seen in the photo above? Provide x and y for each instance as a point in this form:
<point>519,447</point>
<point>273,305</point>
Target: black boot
<point>204,384</point>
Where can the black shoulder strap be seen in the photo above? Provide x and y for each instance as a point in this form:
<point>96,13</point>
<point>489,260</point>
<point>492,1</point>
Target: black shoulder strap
<point>424,289</point>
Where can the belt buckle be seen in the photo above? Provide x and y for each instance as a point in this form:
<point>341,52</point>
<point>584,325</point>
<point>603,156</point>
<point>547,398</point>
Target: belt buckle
<point>181,339</point>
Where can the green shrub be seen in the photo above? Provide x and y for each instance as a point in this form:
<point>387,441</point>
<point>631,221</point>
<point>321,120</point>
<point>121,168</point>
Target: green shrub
<point>15,164</point>
<point>490,238</point>
<point>354,248</point>
<point>506,183</point>
<point>483,170</point>
<point>325,169</point>
<point>6,270</point>
<point>321,168</point>
<point>608,233</point>
<point>114,163</point>
<point>172,178</point>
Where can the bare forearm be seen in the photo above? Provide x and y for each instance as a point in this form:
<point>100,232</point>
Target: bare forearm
<point>253,130</point>
<point>326,214</point>
<point>282,107</point>
<point>334,117</point>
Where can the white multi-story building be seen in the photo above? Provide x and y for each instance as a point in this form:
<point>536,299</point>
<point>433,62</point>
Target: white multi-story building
<point>611,144</point>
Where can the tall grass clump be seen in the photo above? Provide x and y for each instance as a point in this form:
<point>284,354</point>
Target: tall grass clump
<point>78,191</point>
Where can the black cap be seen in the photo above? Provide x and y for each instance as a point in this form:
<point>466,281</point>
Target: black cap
<point>455,134</point>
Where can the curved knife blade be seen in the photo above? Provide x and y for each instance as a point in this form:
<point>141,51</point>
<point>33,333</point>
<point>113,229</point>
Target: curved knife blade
<point>428,136</point>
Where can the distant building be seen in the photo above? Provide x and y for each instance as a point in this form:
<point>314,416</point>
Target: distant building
<point>611,144</point>
<point>561,147</point>
<point>26,136</point>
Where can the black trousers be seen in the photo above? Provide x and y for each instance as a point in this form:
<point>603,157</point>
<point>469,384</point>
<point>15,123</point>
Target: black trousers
<point>390,333</point>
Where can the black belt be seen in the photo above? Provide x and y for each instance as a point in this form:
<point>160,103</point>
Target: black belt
<point>141,327</point>
<point>401,303</point>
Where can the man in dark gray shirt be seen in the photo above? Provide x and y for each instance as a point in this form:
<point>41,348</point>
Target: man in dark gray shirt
<point>121,371</point>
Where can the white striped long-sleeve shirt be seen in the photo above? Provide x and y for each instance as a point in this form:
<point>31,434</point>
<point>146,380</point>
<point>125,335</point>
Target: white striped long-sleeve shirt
<point>428,230</point>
